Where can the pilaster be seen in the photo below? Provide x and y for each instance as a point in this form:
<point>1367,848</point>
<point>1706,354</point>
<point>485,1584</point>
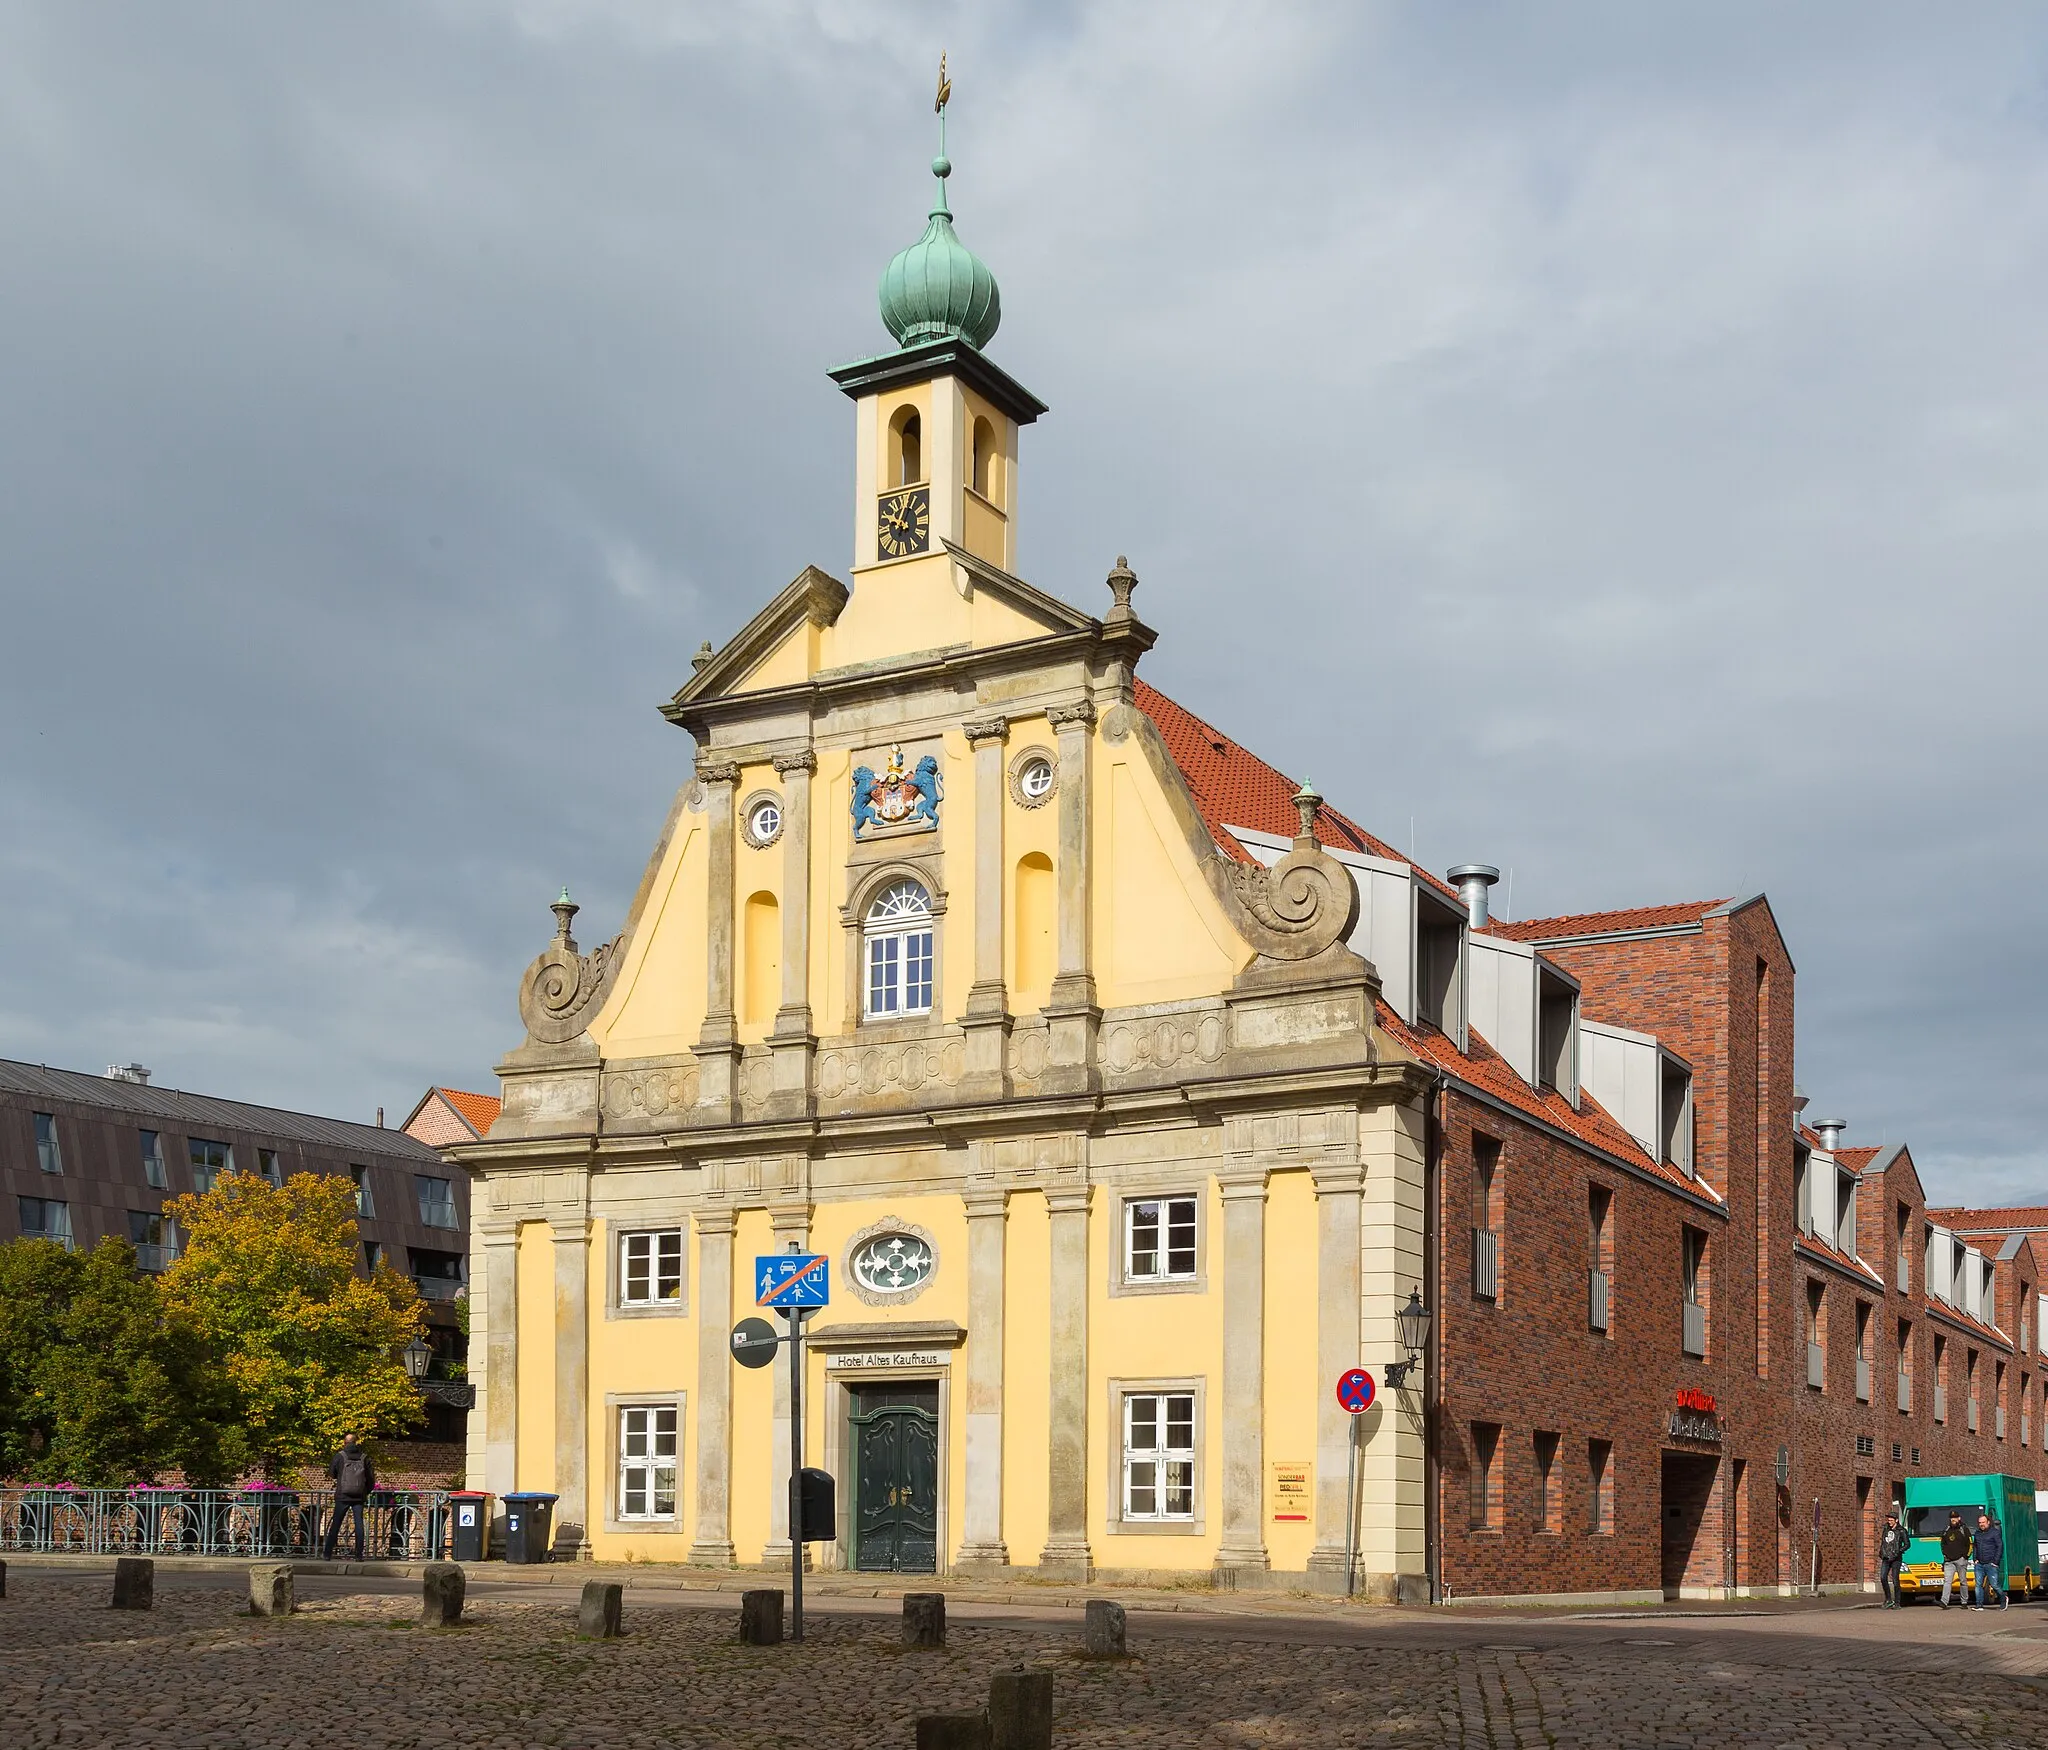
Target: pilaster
<point>572,1385</point>
<point>711,1542</point>
<point>1339,1190</point>
<point>1243,1545</point>
<point>501,1357</point>
<point>981,1544</point>
<point>792,1044</point>
<point>1072,1012</point>
<point>987,1017</point>
<point>1066,1555</point>
<point>718,1046</point>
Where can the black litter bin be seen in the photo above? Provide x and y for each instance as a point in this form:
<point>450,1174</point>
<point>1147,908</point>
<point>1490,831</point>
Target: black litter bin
<point>529,1518</point>
<point>470,1509</point>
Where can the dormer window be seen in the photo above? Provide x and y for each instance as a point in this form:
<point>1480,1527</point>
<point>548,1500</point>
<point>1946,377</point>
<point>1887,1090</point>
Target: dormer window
<point>1675,1115</point>
<point>906,448</point>
<point>1557,1020</point>
<point>897,938</point>
<point>1439,964</point>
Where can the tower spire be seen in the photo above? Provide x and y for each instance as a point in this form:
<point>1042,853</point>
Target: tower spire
<point>937,289</point>
<point>942,166</point>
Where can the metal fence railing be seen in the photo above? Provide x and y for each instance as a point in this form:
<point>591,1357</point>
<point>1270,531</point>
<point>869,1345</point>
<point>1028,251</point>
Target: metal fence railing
<point>398,1524</point>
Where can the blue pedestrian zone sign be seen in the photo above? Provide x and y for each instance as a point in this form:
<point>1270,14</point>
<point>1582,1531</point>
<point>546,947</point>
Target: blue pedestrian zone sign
<point>792,1279</point>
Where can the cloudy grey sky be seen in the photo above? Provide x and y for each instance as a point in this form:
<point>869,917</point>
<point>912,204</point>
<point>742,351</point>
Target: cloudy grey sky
<point>1609,438</point>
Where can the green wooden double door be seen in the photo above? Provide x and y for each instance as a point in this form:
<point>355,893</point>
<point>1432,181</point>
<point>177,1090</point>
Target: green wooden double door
<point>894,1432</point>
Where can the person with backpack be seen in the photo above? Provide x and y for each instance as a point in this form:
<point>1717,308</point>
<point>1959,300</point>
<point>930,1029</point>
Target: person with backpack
<point>1989,1544</point>
<point>1891,1551</point>
<point>354,1480</point>
<point>1955,1555</point>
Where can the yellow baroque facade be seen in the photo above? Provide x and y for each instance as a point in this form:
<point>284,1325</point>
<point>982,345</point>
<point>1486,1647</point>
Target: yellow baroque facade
<point>941,967</point>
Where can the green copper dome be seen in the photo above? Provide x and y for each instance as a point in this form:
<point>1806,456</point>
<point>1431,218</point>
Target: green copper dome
<point>938,288</point>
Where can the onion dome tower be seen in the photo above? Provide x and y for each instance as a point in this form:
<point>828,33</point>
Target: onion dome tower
<point>936,466</point>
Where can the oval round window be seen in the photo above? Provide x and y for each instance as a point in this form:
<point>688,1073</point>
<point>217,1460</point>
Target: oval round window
<point>892,1263</point>
<point>765,822</point>
<point>1035,779</point>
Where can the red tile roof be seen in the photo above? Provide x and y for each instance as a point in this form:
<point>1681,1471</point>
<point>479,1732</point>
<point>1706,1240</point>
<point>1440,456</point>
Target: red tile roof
<point>1992,1221</point>
<point>1484,1069</point>
<point>1820,1248</point>
<point>1604,923</point>
<point>448,1116</point>
<point>1856,1159</point>
<point>1232,786</point>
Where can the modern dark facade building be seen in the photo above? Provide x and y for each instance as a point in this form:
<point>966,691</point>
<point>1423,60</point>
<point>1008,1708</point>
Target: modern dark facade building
<point>83,1157</point>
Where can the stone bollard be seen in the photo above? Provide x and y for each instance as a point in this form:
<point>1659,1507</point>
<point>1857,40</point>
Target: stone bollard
<point>924,1619</point>
<point>761,1618</point>
<point>952,1732</point>
<point>1020,1710</point>
<point>597,1617</point>
<point>134,1583</point>
<point>442,1585</point>
<point>1102,1633</point>
<point>270,1589</point>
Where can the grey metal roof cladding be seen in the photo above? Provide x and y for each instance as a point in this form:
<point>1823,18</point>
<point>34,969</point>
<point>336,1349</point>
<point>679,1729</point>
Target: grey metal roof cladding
<point>204,1113</point>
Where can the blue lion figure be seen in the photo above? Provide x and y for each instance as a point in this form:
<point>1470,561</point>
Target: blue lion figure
<point>925,780</point>
<point>864,815</point>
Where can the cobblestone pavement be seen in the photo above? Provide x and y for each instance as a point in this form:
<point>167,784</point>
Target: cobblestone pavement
<point>353,1669</point>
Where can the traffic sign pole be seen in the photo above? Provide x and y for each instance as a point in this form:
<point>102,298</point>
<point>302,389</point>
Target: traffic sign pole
<point>1355,1391</point>
<point>796,1473</point>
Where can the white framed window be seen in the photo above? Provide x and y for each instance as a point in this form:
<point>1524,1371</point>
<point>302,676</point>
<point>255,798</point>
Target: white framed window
<point>764,821</point>
<point>897,953</point>
<point>1159,1239</point>
<point>648,1439</point>
<point>651,1268</point>
<point>209,1161</point>
<point>1034,777</point>
<point>48,1155</point>
<point>1159,1456</point>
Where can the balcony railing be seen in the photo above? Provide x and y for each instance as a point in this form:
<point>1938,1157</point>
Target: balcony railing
<point>1816,1366</point>
<point>438,1287</point>
<point>1695,1329</point>
<point>1862,1380</point>
<point>153,1260</point>
<point>1596,1299</point>
<point>399,1524</point>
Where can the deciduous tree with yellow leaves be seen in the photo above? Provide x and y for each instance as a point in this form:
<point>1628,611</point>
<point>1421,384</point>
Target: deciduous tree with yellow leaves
<point>309,1349</point>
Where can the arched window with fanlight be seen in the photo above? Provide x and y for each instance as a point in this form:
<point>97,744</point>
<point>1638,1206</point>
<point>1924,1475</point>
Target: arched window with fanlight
<point>897,952</point>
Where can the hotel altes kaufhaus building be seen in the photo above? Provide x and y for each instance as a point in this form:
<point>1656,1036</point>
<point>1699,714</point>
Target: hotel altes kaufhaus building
<point>1131,1091</point>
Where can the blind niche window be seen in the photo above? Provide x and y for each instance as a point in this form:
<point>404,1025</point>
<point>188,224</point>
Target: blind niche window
<point>647,1461</point>
<point>1159,1455</point>
<point>651,1268</point>
<point>896,947</point>
<point>1159,1239</point>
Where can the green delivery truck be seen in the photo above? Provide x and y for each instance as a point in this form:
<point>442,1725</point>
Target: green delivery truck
<point>2009,1501</point>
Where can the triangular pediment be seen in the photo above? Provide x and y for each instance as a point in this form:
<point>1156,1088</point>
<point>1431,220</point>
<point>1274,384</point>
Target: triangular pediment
<point>812,602</point>
<point>1027,599</point>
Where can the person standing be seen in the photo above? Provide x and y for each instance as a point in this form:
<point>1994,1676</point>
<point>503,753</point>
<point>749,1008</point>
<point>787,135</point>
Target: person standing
<point>1891,1551</point>
<point>354,1480</point>
<point>1989,1546</point>
<point>1955,1556</point>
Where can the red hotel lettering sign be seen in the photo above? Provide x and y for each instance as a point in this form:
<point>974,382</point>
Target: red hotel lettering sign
<point>1696,1417</point>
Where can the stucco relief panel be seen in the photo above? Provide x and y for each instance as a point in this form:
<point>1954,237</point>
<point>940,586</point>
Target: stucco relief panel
<point>658,1091</point>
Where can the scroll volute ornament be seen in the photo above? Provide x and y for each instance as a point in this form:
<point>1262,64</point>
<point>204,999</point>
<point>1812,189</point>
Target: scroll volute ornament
<point>1305,903</point>
<point>562,989</point>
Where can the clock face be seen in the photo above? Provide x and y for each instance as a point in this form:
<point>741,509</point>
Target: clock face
<point>904,522</point>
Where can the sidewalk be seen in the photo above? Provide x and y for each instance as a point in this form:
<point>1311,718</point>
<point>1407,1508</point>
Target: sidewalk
<point>650,1580</point>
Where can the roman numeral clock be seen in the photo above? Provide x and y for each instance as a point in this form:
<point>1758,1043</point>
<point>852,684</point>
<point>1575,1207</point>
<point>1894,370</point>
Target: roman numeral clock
<point>904,522</point>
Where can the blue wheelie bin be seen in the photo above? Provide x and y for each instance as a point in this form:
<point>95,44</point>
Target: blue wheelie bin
<point>529,1518</point>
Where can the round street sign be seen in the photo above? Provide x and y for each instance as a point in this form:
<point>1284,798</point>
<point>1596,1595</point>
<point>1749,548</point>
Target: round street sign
<point>754,1342</point>
<point>1355,1390</point>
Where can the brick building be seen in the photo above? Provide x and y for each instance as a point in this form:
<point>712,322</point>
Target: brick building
<point>85,1157</point>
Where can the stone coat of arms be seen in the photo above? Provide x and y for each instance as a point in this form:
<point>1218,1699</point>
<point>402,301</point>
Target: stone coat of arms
<point>900,799</point>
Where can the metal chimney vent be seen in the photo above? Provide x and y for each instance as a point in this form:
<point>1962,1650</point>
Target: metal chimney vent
<point>128,1072</point>
<point>1472,880</point>
<point>1829,1130</point>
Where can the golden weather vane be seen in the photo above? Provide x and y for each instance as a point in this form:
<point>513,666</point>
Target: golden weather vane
<point>945,86</point>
